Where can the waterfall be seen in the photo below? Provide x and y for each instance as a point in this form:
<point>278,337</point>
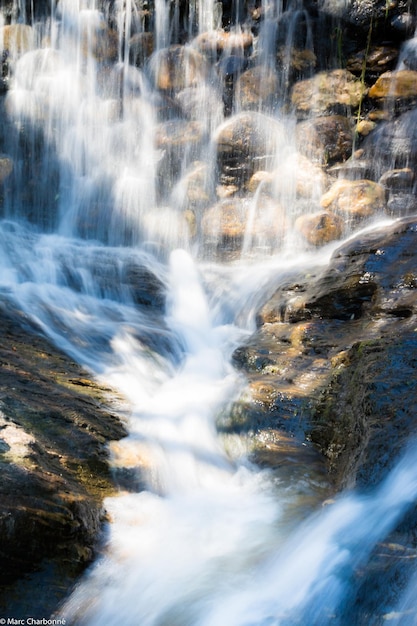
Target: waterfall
<point>118,153</point>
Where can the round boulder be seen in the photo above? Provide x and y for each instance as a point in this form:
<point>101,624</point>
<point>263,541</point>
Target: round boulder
<point>355,198</point>
<point>319,228</point>
<point>326,140</point>
<point>327,91</point>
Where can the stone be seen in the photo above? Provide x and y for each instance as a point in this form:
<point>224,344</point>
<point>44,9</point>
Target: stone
<point>395,85</point>
<point>320,228</point>
<point>55,423</point>
<point>141,47</point>
<point>231,222</point>
<point>325,140</point>
<point>257,88</point>
<point>6,167</point>
<point>17,39</point>
<point>393,144</point>
<point>245,143</point>
<point>296,61</point>
<point>375,60</point>
<point>177,67</point>
<point>220,41</point>
<point>326,92</point>
<point>355,198</point>
<point>398,179</point>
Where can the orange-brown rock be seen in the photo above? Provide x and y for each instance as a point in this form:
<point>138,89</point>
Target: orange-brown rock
<point>17,39</point>
<point>398,85</point>
<point>319,228</point>
<point>256,87</point>
<point>218,41</point>
<point>327,91</point>
<point>355,198</point>
<point>177,67</point>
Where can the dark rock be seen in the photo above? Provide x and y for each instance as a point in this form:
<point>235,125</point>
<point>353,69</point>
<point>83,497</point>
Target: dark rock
<point>326,140</point>
<point>54,425</point>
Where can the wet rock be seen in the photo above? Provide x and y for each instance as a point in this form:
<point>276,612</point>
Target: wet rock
<point>357,199</point>
<point>203,103</point>
<point>375,60</point>
<point>335,352</point>
<point>141,47</point>
<point>296,62</point>
<point>177,68</point>
<point>398,180</point>
<point>54,426</point>
<point>326,140</point>
<point>257,88</point>
<point>400,85</point>
<point>17,39</point>
<point>393,144</point>
<point>195,188</point>
<point>327,91</point>
<point>6,167</point>
<point>232,221</point>
<point>180,143</point>
<point>320,228</point>
<point>245,143</point>
<point>219,42</point>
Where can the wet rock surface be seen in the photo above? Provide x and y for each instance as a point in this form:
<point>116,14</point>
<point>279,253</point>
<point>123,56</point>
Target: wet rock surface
<point>333,360</point>
<point>55,423</point>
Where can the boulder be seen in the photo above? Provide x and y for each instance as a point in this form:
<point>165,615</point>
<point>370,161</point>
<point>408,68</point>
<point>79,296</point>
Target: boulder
<point>325,140</point>
<point>16,39</point>
<point>177,67</point>
<point>326,92</point>
<point>400,85</point>
<point>245,143</point>
<point>375,60</point>
<point>55,423</point>
<point>217,42</point>
<point>320,228</point>
<point>233,222</point>
<point>257,88</point>
<point>355,198</point>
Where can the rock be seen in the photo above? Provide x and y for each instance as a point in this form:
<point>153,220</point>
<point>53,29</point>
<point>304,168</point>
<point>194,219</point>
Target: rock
<point>232,222</point>
<point>177,68</point>
<point>320,228</point>
<point>364,127</point>
<point>355,198</point>
<point>375,60</point>
<point>194,190</point>
<point>54,426</point>
<point>245,143</point>
<point>326,92</point>
<point>201,103</point>
<point>219,41</point>
<point>400,85</point>
<point>257,88</point>
<point>398,180</point>
<point>141,47</point>
<point>334,352</point>
<point>6,167</point>
<point>326,140</point>
<point>17,39</point>
<point>393,144</point>
<point>180,142</point>
<point>296,62</point>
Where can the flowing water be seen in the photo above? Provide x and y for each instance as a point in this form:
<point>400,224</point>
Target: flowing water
<point>207,539</point>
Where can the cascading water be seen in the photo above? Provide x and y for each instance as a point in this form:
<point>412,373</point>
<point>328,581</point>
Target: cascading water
<point>209,539</point>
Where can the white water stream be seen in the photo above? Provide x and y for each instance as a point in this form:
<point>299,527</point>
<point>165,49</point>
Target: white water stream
<point>209,540</point>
